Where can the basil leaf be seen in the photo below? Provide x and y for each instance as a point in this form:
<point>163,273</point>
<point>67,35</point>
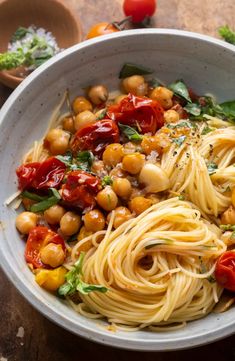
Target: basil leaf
<point>228,108</point>
<point>227,227</point>
<point>55,193</point>
<point>64,289</point>
<point>33,196</point>
<point>43,205</point>
<point>66,159</point>
<point>154,83</point>
<point>193,108</point>
<point>130,69</point>
<point>86,288</point>
<point>130,133</point>
<point>179,88</point>
<point>106,181</point>
<point>206,130</point>
<point>86,157</point>
<point>180,140</point>
<point>211,168</point>
<point>102,115</point>
<point>19,34</point>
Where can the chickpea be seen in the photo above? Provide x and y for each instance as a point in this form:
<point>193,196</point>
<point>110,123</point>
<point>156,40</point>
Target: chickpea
<point>121,215</point>
<point>233,197</point>
<point>80,104</point>
<point>119,98</point>
<point>70,223</point>
<point>83,119</point>
<point>139,204</point>
<point>133,163</point>
<point>68,124</point>
<point>107,199</point>
<point>113,154</point>
<point>52,254</point>
<point>57,141</point>
<point>154,178</point>
<point>171,116</point>
<point>122,187</point>
<point>159,143</point>
<point>98,94</point>
<point>135,84</point>
<point>94,220</point>
<point>228,217</point>
<point>54,214</point>
<point>163,96</point>
<point>153,198</point>
<point>26,221</point>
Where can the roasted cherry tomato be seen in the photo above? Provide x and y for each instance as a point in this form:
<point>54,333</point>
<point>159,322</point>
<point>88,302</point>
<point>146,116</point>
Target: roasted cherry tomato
<point>38,238</point>
<point>225,270</point>
<point>80,189</point>
<point>101,29</point>
<point>44,175</point>
<point>144,113</point>
<point>180,110</point>
<point>26,174</point>
<point>96,136</point>
<point>139,9</point>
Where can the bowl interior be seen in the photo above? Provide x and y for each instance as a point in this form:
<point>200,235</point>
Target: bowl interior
<point>205,64</point>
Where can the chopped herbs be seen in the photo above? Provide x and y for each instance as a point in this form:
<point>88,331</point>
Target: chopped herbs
<point>66,159</point>
<point>19,34</point>
<point>179,88</point>
<point>181,197</point>
<point>74,283</point>
<point>46,203</point>
<point>180,140</point>
<point>102,115</point>
<point>206,130</point>
<point>227,227</point>
<point>130,69</point>
<point>85,160</point>
<point>106,181</point>
<point>212,168</point>
<point>227,34</point>
<point>130,133</point>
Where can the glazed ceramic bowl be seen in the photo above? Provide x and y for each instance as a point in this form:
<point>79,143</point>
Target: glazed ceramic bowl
<point>206,64</point>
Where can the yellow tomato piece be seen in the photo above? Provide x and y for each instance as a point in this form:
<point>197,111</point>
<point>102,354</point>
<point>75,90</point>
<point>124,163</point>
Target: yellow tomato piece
<point>51,279</point>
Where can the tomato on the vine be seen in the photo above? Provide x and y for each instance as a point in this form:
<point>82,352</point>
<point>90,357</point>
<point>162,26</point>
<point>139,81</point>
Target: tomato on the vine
<point>144,113</point>
<point>225,270</point>
<point>139,9</point>
<point>101,29</point>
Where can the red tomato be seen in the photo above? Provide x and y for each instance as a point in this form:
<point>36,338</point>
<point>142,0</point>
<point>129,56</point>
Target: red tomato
<point>96,136</point>
<point>47,174</point>
<point>80,189</point>
<point>26,174</point>
<point>225,270</point>
<point>145,113</point>
<point>180,110</point>
<point>139,9</point>
<point>38,238</point>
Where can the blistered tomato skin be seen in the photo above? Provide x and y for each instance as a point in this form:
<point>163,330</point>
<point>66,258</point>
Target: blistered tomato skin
<point>80,189</point>
<point>139,9</point>
<point>96,137</point>
<point>145,113</point>
<point>225,270</point>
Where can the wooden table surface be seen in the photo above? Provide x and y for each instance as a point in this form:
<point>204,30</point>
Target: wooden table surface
<point>41,340</point>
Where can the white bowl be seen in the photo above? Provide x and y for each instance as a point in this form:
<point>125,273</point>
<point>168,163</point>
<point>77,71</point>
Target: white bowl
<point>206,64</point>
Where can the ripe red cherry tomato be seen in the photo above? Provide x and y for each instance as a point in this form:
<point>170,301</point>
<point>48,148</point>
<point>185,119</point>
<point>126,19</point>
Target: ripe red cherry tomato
<point>38,238</point>
<point>139,9</point>
<point>145,113</point>
<point>80,189</point>
<point>96,136</point>
<point>44,175</point>
<point>225,270</point>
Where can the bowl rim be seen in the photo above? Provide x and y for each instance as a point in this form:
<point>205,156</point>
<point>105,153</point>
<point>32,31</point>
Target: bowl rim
<point>54,315</point>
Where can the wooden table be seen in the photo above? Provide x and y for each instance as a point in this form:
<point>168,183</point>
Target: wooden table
<point>43,340</point>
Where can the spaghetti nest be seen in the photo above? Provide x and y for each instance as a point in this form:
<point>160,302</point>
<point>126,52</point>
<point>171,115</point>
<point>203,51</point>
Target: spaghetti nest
<point>157,268</point>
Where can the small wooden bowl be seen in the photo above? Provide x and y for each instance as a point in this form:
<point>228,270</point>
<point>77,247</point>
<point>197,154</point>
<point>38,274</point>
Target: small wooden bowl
<point>52,15</point>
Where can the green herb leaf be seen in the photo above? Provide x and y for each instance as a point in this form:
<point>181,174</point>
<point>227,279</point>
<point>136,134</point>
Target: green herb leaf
<point>227,227</point>
<point>193,109</point>
<point>227,34</point>
<point>181,197</point>
<point>102,115</point>
<point>19,34</point>
<point>55,193</point>
<point>33,196</point>
<point>211,167</point>
<point>130,133</point>
<point>179,88</point>
<point>107,181</point>
<point>180,140</point>
<point>233,235</point>
<point>46,203</point>
<point>130,69</point>
<point>154,83</point>
<point>74,283</point>
<point>11,60</point>
<point>206,130</point>
<point>228,108</point>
